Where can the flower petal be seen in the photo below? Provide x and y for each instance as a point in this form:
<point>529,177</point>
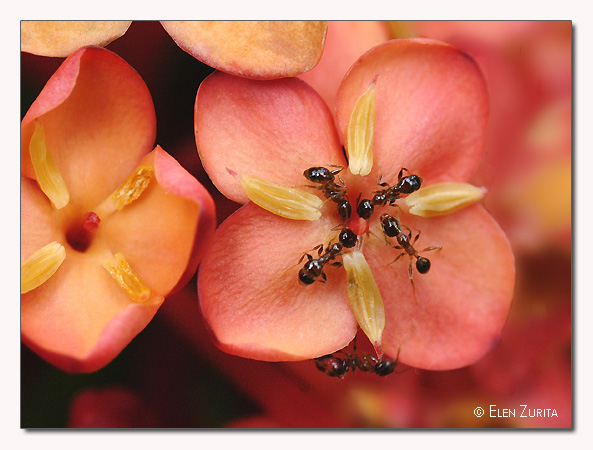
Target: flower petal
<point>250,295</point>
<point>62,38</point>
<point>346,40</point>
<point>270,129</point>
<point>162,234</point>
<point>258,50</point>
<point>38,224</point>
<point>96,110</point>
<point>80,319</point>
<point>463,301</point>
<point>431,108</point>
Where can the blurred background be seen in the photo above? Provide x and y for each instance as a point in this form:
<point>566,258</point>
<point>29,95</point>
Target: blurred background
<point>172,376</point>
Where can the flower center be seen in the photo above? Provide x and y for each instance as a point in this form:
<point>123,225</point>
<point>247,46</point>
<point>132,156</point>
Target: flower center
<point>81,233</point>
<point>81,236</point>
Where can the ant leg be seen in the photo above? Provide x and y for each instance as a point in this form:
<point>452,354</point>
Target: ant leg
<point>429,249</point>
<point>412,281</point>
<point>324,276</point>
<point>398,257</point>
<point>401,173</point>
<point>309,258</point>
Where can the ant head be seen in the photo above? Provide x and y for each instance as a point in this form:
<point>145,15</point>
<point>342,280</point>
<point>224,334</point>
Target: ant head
<point>410,184</point>
<point>422,264</point>
<point>384,368</point>
<point>365,208</point>
<point>348,238</point>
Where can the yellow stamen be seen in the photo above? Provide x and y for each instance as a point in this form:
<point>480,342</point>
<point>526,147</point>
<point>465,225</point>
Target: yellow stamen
<point>133,187</point>
<point>365,298</point>
<point>41,265</point>
<point>48,175</point>
<point>127,279</point>
<point>361,130</point>
<point>443,198</point>
<point>282,200</point>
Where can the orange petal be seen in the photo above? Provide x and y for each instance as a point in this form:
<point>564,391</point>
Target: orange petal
<point>80,319</point>
<point>251,298</point>
<point>95,110</point>
<point>62,38</point>
<point>274,130</point>
<point>346,40</point>
<point>462,302</point>
<point>257,50</point>
<point>163,234</point>
<point>38,224</point>
<point>431,108</point>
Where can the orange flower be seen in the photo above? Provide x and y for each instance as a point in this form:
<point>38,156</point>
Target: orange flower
<point>108,227</point>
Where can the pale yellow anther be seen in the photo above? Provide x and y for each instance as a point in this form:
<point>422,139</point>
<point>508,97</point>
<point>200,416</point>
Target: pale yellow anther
<point>365,298</point>
<point>48,175</point>
<point>121,272</point>
<point>41,265</point>
<point>283,201</point>
<point>361,130</point>
<point>133,187</point>
<point>443,198</point>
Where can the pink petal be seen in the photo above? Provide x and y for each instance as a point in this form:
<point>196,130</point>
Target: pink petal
<point>345,42</point>
<point>462,302</point>
<point>258,50</point>
<point>271,129</point>
<point>431,108</point>
<point>251,298</point>
<point>99,121</point>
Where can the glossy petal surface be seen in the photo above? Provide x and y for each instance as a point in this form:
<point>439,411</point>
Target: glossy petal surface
<point>64,37</point>
<point>431,108</point>
<point>271,129</point>
<point>250,295</point>
<point>462,302</point>
<point>258,50</point>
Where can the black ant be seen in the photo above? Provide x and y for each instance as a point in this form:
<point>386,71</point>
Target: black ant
<point>313,268</point>
<point>392,227</point>
<point>405,185</point>
<point>335,366</point>
<point>331,190</point>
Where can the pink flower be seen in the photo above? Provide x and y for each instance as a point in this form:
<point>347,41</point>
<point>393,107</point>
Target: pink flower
<point>109,226</point>
<point>431,113</point>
